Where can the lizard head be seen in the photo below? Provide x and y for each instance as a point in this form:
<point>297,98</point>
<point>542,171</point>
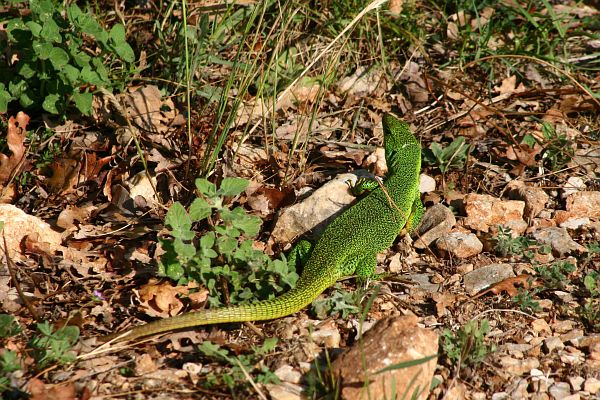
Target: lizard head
<point>398,139</point>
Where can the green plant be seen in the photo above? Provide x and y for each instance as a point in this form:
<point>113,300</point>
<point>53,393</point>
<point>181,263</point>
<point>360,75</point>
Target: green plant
<point>592,283</point>
<point>452,156</point>
<point>8,325</point>
<point>241,365</point>
<point>467,346</point>
<point>507,245</point>
<point>555,275</point>
<point>224,259</point>
<point>590,310</point>
<point>534,28</point>
<point>558,149</point>
<point>56,66</point>
<point>340,301</point>
<point>48,347</point>
<point>9,360</point>
<point>524,298</point>
<point>51,346</point>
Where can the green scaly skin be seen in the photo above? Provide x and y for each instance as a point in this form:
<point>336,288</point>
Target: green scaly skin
<point>348,246</point>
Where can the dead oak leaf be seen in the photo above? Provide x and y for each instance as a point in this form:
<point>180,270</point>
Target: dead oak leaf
<point>510,285</point>
<point>161,299</point>
<point>509,85</point>
<point>525,155</point>
<point>40,391</point>
<point>15,137</point>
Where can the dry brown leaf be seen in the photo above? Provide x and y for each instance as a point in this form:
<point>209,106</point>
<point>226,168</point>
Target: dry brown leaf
<point>510,286</point>
<point>161,299</point>
<point>40,391</point>
<point>509,85</point>
<point>525,155</point>
<point>15,137</point>
<point>145,108</point>
<point>395,6</point>
<point>65,176</point>
<point>71,214</point>
<point>443,301</point>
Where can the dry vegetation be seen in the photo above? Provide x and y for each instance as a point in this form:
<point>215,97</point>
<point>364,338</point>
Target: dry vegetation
<point>110,118</point>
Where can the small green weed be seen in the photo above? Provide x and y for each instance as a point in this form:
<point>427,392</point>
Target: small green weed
<point>555,275</point>
<point>467,346</point>
<point>517,28</point>
<point>224,257</point>
<point>452,156</point>
<point>525,299</point>
<point>48,347</point>
<point>321,381</point>
<point>9,360</point>
<point>54,67</point>
<point>590,310</point>
<point>51,346</point>
<point>558,149</point>
<point>340,302</point>
<point>507,245</point>
<point>8,326</point>
<point>250,363</point>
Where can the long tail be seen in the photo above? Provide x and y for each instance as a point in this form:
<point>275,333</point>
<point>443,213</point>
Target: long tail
<point>288,303</point>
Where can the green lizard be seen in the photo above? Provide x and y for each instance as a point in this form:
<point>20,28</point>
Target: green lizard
<point>349,245</point>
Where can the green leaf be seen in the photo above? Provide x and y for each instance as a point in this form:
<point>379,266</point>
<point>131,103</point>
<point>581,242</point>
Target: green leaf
<point>205,187</point>
<point>249,224</point>
<point>5,98</point>
<point>51,103</point>
<point>27,72</point>
<point>8,327</point>
<point>26,99</point>
<point>42,49</point>
<point>227,245</point>
<point>10,361</point>
<point>175,271</point>
<point>124,51</point>
<point>83,102</point>
<point>90,26</point>
<point>207,241</point>
<point>81,59</point>
<point>117,33</point>
<point>185,251</point>
<point>200,209</point>
<point>120,45</point>
<point>68,333</point>
<point>42,9</point>
<point>51,32</point>
<point>71,74</point>
<point>529,140</point>
<point>74,13</point>
<point>59,58</point>
<point>34,28</point>
<point>233,186</point>
<point>90,76</point>
<point>177,218</point>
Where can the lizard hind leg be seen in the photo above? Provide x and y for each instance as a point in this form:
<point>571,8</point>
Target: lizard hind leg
<point>363,266</point>
<point>415,216</point>
<point>299,254</point>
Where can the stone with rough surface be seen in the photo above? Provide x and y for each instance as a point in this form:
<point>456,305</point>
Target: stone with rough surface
<point>484,277</point>
<point>485,212</point>
<point>518,367</point>
<point>459,245</point>
<point>437,221</point>
<point>592,385</point>
<point>390,342</point>
<point>559,240</point>
<point>534,197</point>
